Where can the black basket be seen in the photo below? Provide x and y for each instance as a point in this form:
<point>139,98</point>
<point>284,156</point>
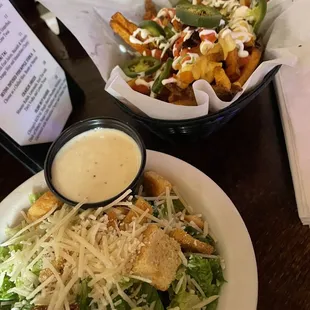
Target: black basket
<point>200,126</point>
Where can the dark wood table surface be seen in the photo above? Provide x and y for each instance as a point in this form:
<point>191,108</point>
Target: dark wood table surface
<point>247,159</point>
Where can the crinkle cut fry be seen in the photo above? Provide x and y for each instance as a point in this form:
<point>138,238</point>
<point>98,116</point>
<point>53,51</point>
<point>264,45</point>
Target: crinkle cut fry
<point>124,28</point>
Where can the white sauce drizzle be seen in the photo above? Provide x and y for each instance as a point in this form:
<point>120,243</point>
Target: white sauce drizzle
<point>142,82</point>
<point>206,32</point>
<point>222,22</point>
<point>168,81</point>
<point>175,18</point>
<point>188,33</point>
<point>193,58</point>
<point>241,52</point>
<point>176,62</point>
<point>169,44</point>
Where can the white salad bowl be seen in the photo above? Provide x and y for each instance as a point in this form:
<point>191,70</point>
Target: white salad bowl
<point>205,197</point>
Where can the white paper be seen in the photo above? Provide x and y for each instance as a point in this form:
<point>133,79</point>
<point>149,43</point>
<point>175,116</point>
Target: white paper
<point>103,47</point>
<point>34,97</point>
<point>293,94</point>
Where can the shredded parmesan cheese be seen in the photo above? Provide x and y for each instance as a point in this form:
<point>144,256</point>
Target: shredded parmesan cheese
<point>40,287</point>
<point>169,203</point>
<point>206,302</point>
<point>11,241</point>
<point>68,245</point>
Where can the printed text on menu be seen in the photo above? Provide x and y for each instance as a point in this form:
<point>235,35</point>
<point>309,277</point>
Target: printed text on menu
<point>31,82</point>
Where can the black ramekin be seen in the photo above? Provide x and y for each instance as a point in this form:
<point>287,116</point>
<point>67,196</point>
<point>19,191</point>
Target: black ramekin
<point>83,126</point>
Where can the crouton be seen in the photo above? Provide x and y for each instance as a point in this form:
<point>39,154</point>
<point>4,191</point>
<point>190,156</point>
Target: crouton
<point>188,243</point>
<point>44,204</point>
<point>46,272</point>
<point>154,184</point>
<point>195,219</point>
<point>141,204</point>
<point>121,210</point>
<point>112,216</point>
<point>159,259</point>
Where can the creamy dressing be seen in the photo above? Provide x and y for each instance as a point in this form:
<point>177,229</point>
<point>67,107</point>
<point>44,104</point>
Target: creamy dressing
<point>188,33</point>
<point>222,22</point>
<point>241,52</point>
<point>240,30</point>
<point>143,33</point>
<point>171,41</point>
<point>169,81</point>
<point>134,40</point>
<point>176,62</point>
<point>206,32</point>
<point>146,36</point>
<point>96,165</point>
<point>227,6</point>
<point>166,12</point>
<point>142,82</point>
<point>193,58</point>
<point>175,18</point>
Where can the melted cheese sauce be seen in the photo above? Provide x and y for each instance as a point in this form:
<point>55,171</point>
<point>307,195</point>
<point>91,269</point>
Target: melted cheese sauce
<point>96,165</point>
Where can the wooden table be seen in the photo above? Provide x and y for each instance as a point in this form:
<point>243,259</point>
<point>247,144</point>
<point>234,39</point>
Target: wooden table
<point>247,159</point>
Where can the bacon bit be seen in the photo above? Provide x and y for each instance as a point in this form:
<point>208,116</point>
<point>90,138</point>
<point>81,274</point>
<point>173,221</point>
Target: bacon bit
<point>178,46</point>
<point>209,37</point>
<point>185,59</point>
<point>177,26</point>
<point>112,216</point>
<point>141,89</point>
<point>246,3</point>
<point>185,51</point>
<point>243,61</point>
<point>156,55</point>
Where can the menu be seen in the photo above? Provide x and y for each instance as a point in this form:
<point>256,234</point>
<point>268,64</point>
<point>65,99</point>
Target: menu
<point>34,97</point>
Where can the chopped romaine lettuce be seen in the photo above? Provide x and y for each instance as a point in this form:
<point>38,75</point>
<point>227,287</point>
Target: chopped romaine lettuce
<point>37,267</point>
<point>217,271</point>
<point>178,205</point>
<point>4,254</point>
<point>199,269</point>
<point>172,289</point>
<point>11,231</point>
<point>119,304</point>
<point>5,306</point>
<point>185,301</point>
<point>152,297</point>
<point>6,285</point>
<point>34,197</point>
<point>196,234</point>
<point>27,306</point>
<point>258,12</point>
<point>15,247</point>
<point>126,283</point>
<point>208,274</point>
<point>83,299</point>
